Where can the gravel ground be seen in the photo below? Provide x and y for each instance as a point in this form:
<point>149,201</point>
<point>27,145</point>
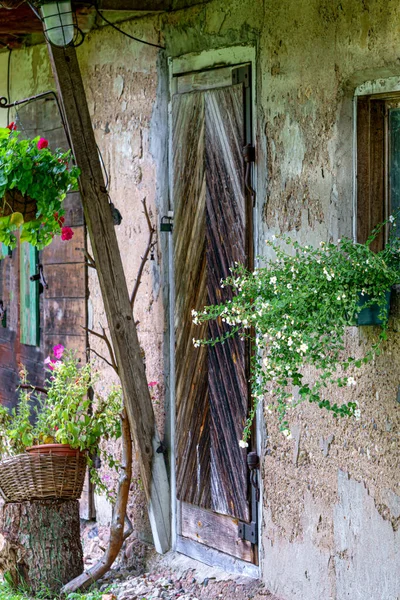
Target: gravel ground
<point>187,587</point>
<point>140,574</point>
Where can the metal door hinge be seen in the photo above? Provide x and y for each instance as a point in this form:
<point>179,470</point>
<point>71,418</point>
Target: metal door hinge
<point>167,222</point>
<point>248,531</point>
<point>241,75</point>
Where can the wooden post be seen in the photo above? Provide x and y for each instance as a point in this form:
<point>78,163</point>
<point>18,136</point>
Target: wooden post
<point>114,290</point>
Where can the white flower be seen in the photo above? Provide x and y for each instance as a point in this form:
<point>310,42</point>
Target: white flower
<point>303,347</point>
<point>289,286</point>
<point>243,444</point>
<point>338,298</point>
<point>351,381</point>
<point>287,433</point>
<point>196,343</point>
<point>391,218</point>
<point>289,342</point>
<point>272,280</point>
<point>357,414</point>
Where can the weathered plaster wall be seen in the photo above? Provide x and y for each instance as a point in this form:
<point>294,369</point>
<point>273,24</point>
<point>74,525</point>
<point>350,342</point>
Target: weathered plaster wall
<point>331,494</point>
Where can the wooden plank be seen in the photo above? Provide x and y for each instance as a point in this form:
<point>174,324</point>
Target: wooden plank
<point>213,530</point>
<point>72,342</point>
<point>377,170</point>
<point>192,404</point>
<point>226,241</point>
<point>370,168</point>
<point>71,251</point>
<point>204,80</point>
<point>214,558</point>
<point>63,316</point>
<point>114,292</point>
<point>65,281</point>
<point>29,296</point>
<point>363,168</point>
<point>73,210</point>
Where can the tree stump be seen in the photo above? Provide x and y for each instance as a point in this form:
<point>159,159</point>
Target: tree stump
<point>40,543</point>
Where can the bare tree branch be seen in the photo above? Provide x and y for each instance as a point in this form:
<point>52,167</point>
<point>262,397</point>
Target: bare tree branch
<point>102,358</point>
<point>89,258</point>
<point>117,534</point>
<point>103,336</point>
<point>27,386</point>
<point>150,246</point>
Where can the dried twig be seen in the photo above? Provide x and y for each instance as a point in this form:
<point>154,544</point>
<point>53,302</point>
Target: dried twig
<point>117,534</point>
<point>89,258</point>
<point>150,246</point>
<point>103,336</point>
<point>27,386</point>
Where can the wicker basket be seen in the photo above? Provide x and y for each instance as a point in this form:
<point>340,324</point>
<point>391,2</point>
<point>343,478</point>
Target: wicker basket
<point>14,201</point>
<point>40,476</point>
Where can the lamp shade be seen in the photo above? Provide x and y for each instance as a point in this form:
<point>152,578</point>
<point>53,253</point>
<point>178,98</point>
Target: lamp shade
<point>58,22</point>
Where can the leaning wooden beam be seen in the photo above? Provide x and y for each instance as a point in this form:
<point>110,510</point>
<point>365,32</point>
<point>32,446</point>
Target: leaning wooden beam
<point>114,292</point>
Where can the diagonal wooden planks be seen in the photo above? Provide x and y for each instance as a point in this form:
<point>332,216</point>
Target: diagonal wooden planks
<point>225,232</point>
<point>192,407</point>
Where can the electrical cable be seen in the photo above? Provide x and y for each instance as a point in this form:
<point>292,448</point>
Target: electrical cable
<point>8,84</point>
<point>124,33</point>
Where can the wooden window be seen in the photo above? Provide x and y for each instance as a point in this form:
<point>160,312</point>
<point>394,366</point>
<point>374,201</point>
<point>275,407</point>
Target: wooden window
<point>378,163</point>
<point>29,296</point>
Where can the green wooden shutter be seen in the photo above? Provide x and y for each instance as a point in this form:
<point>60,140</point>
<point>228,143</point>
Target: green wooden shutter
<point>3,254</point>
<point>29,296</point>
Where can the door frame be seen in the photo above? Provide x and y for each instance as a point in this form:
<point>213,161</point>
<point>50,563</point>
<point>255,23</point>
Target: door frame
<point>223,57</point>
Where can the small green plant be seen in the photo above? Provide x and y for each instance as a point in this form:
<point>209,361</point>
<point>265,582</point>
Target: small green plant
<point>29,167</point>
<point>295,311</point>
<point>7,592</point>
<point>65,415</point>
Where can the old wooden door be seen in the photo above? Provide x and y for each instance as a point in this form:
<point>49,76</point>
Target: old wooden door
<point>211,123</point>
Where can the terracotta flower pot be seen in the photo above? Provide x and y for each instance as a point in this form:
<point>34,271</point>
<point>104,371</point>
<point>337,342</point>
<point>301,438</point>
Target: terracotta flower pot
<point>17,202</point>
<point>55,449</point>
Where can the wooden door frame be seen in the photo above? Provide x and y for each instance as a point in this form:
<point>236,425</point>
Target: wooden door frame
<point>234,56</point>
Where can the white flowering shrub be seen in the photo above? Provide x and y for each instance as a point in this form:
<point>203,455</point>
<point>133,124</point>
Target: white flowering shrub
<point>295,310</point>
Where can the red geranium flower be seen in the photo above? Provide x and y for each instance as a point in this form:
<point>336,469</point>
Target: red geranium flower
<point>42,143</point>
<point>60,220</point>
<point>66,233</point>
<point>11,126</point>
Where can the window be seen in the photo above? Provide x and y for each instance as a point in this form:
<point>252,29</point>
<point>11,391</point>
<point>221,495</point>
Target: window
<point>378,163</point>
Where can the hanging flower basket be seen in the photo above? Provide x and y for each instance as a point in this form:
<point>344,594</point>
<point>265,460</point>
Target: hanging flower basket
<point>372,315</point>
<point>33,184</point>
<point>15,202</point>
<point>38,476</point>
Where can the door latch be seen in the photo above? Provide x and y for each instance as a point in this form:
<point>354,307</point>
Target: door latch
<point>39,276</point>
<point>253,462</point>
<point>249,155</point>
